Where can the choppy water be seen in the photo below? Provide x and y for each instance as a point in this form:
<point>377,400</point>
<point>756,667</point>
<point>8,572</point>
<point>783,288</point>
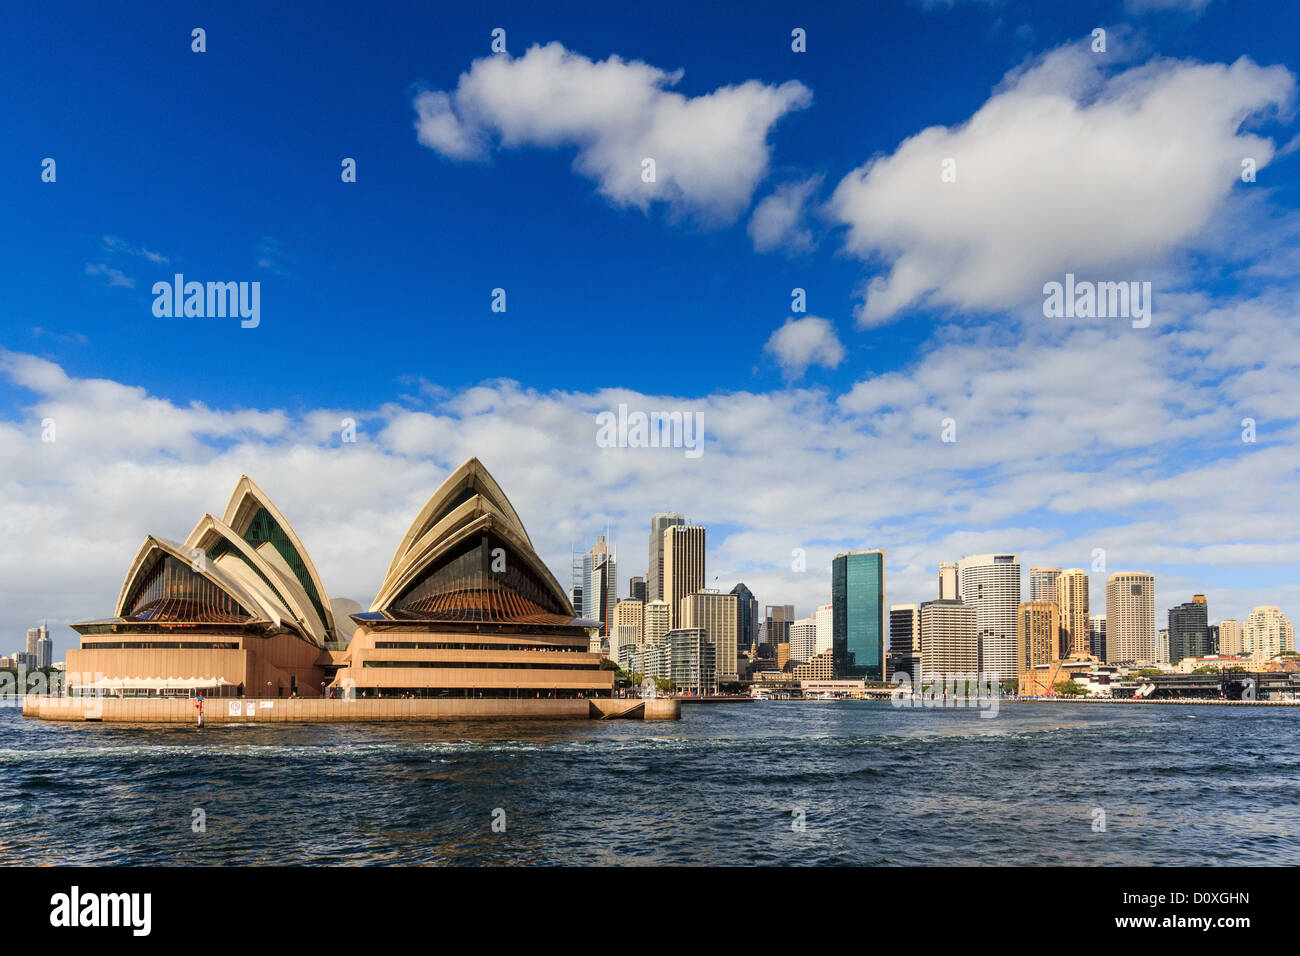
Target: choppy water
<point>875,785</point>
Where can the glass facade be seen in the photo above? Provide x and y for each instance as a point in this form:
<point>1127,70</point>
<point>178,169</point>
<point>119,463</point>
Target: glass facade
<point>858,614</point>
<point>265,528</point>
<point>173,591</point>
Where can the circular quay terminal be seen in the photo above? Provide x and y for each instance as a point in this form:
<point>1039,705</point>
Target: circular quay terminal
<point>450,448</point>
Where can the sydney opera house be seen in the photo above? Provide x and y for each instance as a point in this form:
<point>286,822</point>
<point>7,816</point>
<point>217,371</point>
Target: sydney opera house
<point>467,612</point>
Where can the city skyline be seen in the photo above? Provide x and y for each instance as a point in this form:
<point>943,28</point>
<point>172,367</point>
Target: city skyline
<point>864,344</point>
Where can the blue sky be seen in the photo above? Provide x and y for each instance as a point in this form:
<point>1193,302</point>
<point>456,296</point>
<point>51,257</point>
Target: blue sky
<point>224,165</point>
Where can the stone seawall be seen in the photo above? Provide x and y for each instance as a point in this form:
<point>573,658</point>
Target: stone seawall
<point>226,710</point>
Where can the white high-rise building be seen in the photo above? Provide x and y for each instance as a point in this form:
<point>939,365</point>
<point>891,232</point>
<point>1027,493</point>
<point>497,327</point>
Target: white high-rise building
<point>657,622</point>
<point>803,639</point>
<point>629,618</point>
<point>990,583</point>
<point>825,619</point>
<point>1131,618</point>
<point>1266,633</point>
<point>683,566</point>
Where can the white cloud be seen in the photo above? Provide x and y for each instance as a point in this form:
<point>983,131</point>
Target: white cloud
<point>799,343</point>
<point>710,151</point>
<point>1063,169</point>
<point>1166,6</point>
<point>778,221</point>
<point>115,277</point>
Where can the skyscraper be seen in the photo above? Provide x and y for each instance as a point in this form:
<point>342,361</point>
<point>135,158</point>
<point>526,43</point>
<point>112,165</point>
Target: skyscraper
<point>44,649</point>
<point>1042,583</point>
<point>904,641</point>
<point>1038,634</point>
<point>683,565</point>
<point>1230,637</point>
<point>1267,633</point>
<point>1189,634</point>
<point>636,589</point>
<point>948,581</point>
<point>990,583</point>
<point>949,639</point>
<point>825,618</point>
<point>778,618</point>
<point>1072,600</point>
<point>716,614</point>
<point>654,580</point>
<point>746,617</point>
<point>858,614</point>
<point>803,639</point>
<point>1130,618</point>
<point>600,584</point>
<point>1097,635</point>
<point>629,621</point>
<point>657,622</point>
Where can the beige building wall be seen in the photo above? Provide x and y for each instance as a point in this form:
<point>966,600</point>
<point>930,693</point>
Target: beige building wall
<point>1038,632</point>
<point>683,567</point>
<point>1072,599</point>
<point>949,639</point>
<point>1131,618</point>
<point>1230,638</point>
<point>717,614</point>
<point>628,629</point>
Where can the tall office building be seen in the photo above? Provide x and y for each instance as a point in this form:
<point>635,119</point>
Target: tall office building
<point>629,620</point>
<point>990,583</point>
<point>803,640</point>
<point>858,614</point>
<point>44,649</point>
<point>949,639</point>
<point>33,635</point>
<point>1267,633</point>
<point>825,618</point>
<point>747,621</point>
<point>1162,646</point>
<point>1130,618</point>
<point>777,620</point>
<point>948,581</point>
<point>656,623</point>
<point>1212,631</point>
<point>654,579</point>
<point>1097,635</point>
<point>1189,632</point>
<point>716,614</point>
<point>1230,638</point>
<point>683,565</point>
<point>600,584</point>
<point>1038,634</point>
<point>904,641</point>
<point>1072,599</point>
<point>1042,583</point>
<point>636,589</point>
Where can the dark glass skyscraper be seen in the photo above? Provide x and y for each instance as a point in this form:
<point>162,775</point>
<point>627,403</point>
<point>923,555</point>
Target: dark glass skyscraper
<point>747,621</point>
<point>1189,633</point>
<point>858,614</point>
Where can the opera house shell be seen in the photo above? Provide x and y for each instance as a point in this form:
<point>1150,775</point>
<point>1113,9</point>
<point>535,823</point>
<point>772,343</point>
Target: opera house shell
<point>236,609</point>
<point>466,611</point>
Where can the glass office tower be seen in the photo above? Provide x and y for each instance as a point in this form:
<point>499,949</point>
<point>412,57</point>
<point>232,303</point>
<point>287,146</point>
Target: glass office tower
<point>858,614</point>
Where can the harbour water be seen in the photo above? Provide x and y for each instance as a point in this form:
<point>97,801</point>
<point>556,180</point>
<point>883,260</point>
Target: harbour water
<point>853,782</point>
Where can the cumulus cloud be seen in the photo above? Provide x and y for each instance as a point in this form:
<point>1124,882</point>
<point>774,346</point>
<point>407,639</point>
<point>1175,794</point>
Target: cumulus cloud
<point>1064,168</point>
<point>115,277</point>
<point>779,220</point>
<point>709,151</point>
<point>800,343</point>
